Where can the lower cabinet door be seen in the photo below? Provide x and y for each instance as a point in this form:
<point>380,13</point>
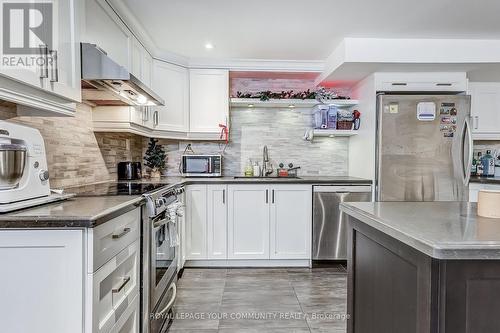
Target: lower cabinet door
<point>129,321</point>
<point>217,221</point>
<point>41,284</point>
<point>114,287</point>
<point>291,220</point>
<point>196,222</point>
<point>248,221</point>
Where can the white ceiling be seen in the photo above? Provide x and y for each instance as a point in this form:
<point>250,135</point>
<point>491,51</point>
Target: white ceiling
<point>305,29</point>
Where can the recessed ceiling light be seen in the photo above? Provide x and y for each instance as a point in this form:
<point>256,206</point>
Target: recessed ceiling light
<point>250,105</point>
<point>209,46</point>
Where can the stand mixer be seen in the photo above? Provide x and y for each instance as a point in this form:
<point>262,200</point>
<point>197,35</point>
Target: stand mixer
<point>23,164</point>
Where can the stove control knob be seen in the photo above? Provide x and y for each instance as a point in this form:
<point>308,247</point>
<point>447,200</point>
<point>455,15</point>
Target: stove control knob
<point>44,175</point>
<point>159,202</point>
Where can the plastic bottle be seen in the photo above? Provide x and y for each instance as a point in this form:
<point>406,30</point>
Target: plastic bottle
<point>332,117</point>
<point>488,165</point>
<point>256,169</point>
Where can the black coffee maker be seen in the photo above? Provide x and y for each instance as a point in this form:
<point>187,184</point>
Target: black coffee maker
<point>129,170</point>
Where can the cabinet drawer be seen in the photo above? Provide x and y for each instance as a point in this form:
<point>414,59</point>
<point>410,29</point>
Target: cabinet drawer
<point>106,240</point>
<point>114,287</point>
<point>129,321</point>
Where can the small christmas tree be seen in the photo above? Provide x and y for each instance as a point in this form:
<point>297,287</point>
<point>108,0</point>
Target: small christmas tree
<point>155,155</point>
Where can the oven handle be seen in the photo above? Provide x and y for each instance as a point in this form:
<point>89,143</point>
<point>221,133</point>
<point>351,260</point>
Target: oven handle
<point>172,300</point>
<point>158,224</point>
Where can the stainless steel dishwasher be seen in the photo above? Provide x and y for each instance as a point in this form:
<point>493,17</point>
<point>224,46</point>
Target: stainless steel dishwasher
<point>329,229</point>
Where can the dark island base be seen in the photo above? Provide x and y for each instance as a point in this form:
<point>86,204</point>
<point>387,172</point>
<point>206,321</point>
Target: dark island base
<point>393,288</point>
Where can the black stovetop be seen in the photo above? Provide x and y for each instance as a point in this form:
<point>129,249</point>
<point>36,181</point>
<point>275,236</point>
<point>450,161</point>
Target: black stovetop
<point>115,188</point>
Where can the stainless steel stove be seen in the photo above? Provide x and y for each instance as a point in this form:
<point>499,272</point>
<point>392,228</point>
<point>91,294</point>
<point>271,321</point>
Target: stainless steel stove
<point>160,246</point>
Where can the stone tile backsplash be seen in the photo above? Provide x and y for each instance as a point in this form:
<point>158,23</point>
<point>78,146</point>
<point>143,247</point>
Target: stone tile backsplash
<point>76,155</point>
<point>281,129</point>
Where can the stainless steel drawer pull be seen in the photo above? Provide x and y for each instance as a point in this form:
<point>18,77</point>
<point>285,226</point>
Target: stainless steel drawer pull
<point>54,71</point>
<point>44,67</point>
<point>121,234</point>
<point>399,84</point>
<point>124,283</point>
<point>444,84</point>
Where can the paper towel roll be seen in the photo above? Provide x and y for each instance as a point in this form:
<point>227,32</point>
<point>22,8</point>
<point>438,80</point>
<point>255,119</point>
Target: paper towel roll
<point>488,203</point>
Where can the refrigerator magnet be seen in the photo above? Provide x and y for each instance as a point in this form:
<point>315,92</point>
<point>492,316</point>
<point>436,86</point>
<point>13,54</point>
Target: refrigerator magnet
<point>426,111</point>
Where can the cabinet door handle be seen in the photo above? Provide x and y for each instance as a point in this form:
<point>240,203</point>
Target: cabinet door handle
<point>121,234</point>
<point>54,67</point>
<point>223,197</point>
<point>443,84</point>
<point>476,122</point>
<point>267,196</point>
<point>272,196</point>
<point>155,118</point>
<point>44,67</point>
<point>124,283</point>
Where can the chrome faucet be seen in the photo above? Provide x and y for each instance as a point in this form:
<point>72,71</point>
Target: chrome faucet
<point>267,168</point>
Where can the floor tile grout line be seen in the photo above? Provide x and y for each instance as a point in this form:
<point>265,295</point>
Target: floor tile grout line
<point>300,304</point>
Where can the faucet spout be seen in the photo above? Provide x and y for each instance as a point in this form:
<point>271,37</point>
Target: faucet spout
<point>267,169</point>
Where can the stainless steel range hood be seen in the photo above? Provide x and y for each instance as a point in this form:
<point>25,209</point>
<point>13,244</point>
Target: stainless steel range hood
<point>105,83</point>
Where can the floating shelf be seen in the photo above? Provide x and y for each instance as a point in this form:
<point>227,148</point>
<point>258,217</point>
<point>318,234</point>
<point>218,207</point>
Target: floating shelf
<point>333,133</point>
<point>291,103</point>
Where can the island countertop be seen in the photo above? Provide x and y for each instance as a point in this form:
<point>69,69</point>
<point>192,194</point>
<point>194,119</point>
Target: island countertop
<point>441,230</point>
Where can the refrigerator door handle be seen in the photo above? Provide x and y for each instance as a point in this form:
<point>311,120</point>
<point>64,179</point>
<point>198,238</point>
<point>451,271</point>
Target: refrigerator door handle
<point>468,137</point>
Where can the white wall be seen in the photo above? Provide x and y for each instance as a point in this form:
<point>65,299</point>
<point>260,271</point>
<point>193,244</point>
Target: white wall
<point>362,146</point>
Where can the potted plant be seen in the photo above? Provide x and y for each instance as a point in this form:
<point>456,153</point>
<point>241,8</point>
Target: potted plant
<point>155,158</point>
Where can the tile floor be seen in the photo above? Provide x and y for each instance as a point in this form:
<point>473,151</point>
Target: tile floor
<point>261,300</point>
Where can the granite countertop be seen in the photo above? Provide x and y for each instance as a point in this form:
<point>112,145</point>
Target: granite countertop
<point>87,211</point>
<point>485,180</point>
<point>78,212</point>
<point>442,230</point>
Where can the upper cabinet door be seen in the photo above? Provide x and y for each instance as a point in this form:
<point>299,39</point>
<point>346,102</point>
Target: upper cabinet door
<point>485,108</point>
<point>64,68</point>
<point>104,28</point>
<point>291,220</point>
<point>146,68</point>
<point>171,82</point>
<point>209,100</point>
<point>56,66</point>
<point>136,58</point>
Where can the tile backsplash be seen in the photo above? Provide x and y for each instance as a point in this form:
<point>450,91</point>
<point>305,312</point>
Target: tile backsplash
<point>281,129</point>
<point>76,155</point>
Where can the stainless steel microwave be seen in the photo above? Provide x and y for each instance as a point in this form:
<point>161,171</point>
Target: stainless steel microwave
<point>201,165</point>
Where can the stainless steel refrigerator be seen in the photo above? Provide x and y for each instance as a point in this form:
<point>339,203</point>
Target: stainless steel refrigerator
<point>424,147</point>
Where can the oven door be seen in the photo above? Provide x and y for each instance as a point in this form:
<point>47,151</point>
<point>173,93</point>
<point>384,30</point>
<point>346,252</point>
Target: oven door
<point>163,260</point>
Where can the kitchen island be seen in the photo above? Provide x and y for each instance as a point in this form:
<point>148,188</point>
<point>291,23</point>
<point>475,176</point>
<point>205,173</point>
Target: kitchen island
<point>422,267</point>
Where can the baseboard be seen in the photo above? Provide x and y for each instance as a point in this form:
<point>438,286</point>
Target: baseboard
<point>249,263</point>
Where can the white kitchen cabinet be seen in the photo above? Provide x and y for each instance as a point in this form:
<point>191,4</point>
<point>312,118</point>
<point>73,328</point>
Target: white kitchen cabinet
<point>141,62</point>
<point>217,221</point>
<point>52,83</point>
<point>485,109</point>
<point>64,73</point>
<point>291,211</point>
<point>196,222</point>
<point>146,68</point>
<point>208,100</point>
<point>171,82</point>
<point>42,280</point>
<point>248,221</point>
<point>103,27</point>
